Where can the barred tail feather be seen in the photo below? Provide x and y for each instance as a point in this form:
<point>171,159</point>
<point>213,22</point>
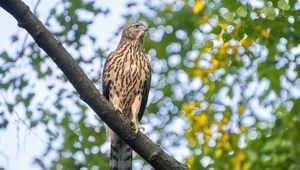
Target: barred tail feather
<point>120,154</point>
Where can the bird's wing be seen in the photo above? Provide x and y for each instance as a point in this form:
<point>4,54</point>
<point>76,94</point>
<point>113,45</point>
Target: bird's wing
<point>145,93</point>
<point>106,83</point>
<point>105,89</point>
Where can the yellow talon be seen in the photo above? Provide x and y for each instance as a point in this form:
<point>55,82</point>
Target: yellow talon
<point>137,127</point>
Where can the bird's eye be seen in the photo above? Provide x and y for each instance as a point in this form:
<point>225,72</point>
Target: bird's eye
<point>136,26</point>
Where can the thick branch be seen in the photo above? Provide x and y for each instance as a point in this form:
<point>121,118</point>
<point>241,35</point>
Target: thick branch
<point>151,152</point>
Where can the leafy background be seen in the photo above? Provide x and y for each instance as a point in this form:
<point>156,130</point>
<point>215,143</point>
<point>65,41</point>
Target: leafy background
<point>225,86</point>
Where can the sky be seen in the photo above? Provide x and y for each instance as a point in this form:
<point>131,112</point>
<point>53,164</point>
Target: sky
<point>18,144</point>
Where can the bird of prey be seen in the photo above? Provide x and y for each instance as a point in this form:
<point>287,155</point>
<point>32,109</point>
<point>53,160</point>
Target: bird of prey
<point>126,83</point>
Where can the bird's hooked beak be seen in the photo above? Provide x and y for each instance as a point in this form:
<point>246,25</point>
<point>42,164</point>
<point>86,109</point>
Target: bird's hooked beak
<point>145,28</point>
<point>144,31</point>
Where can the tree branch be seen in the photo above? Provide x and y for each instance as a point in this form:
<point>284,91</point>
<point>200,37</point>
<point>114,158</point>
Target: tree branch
<point>151,152</point>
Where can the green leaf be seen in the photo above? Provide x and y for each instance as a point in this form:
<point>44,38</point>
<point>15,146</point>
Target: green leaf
<point>229,16</point>
<point>23,84</point>
<point>249,31</point>
<point>269,12</point>
<point>28,99</point>
<point>296,108</point>
<point>10,107</point>
<point>45,118</point>
<point>208,44</point>
<point>241,35</point>
<point>242,11</point>
<point>33,124</point>
<point>3,123</point>
<point>19,98</point>
<point>217,30</point>
<point>29,114</point>
<point>226,37</point>
<point>5,57</point>
<point>283,5</point>
<point>232,5</point>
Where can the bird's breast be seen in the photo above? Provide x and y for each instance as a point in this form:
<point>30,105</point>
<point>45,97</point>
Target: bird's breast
<point>131,70</point>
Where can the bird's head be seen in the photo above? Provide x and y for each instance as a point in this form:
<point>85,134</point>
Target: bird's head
<point>134,31</point>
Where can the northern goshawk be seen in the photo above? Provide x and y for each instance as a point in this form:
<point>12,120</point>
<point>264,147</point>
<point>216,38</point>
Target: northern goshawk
<point>126,83</point>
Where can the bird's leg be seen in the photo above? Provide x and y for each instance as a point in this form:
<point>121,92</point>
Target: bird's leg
<point>136,125</point>
<point>117,107</point>
<point>135,111</point>
<point>116,103</point>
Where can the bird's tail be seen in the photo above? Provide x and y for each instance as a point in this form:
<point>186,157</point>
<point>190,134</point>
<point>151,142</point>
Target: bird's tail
<point>120,154</point>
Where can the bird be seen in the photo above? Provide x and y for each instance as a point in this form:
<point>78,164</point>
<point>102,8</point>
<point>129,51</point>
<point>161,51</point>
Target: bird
<point>126,84</point>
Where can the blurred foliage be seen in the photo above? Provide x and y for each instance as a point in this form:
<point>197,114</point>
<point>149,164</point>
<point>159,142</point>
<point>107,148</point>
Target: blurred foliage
<point>225,84</point>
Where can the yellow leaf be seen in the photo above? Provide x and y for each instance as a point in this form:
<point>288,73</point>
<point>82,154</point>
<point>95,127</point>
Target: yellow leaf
<point>264,33</point>
<point>201,119</point>
<point>197,72</point>
<point>187,108</point>
<point>205,80</point>
<point>205,148</point>
<point>224,26</point>
<point>198,6</point>
<point>214,66</point>
<point>225,120</point>
<point>168,8</point>
<point>220,127</point>
<point>226,136</point>
<point>197,127</point>
<point>207,131</point>
<point>218,153</point>
<point>190,161</point>
<point>234,49</point>
<point>240,156</point>
<point>246,166</point>
<point>238,26</point>
<point>211,70</point>
<point>243,129</point>
<point>207,49</point>
<point>227,146</point>
<point>206,139</point>
<point>237,160</point>
<point>204,19</point>
<point>190,135</point>
<point>212,87</point>
<point>246,42</point>
<point>223,48</point>
<point>219,138</point>
<point>241,109</point>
